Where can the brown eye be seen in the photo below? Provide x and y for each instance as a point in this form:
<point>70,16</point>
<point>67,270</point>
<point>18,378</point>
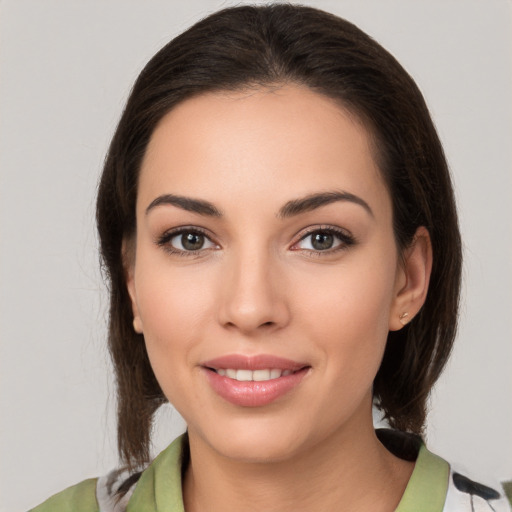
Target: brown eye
<point>322,241</point>
<point>325,240</point>
<point>186,241</point>
<point>192,241</point>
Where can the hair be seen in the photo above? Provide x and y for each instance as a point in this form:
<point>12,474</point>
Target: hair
<point>248,46</point>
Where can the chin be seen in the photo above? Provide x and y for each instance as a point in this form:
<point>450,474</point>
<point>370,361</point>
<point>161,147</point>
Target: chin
<point>259,451</point>
<point>256,443</point>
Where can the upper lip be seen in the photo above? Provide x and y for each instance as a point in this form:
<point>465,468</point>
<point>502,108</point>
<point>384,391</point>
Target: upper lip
<point>253,362</point>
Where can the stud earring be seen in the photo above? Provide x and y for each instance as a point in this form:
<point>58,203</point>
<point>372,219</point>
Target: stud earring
<point>137,327</point>
<point>404,318</point>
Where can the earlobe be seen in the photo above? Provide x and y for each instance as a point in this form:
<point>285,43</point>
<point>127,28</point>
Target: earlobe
<point>412,280</point>
<point>130,284</point>
<point>137,324</point>
<point>129,271</point>
<point>404,318</point>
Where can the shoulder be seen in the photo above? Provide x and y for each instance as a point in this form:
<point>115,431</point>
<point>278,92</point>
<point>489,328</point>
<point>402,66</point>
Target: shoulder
<point>157,487</point>
<point>456,490</point>
<point>110,493</point>
<point>466,493</point>
<point>77,498</point>
<point>437,486</point>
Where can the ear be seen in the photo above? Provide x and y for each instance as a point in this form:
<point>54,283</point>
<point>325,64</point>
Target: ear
<point>413,277</point>
<point>128,256</point>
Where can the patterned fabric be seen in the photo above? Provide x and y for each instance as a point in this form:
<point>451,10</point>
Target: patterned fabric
<point>466,495</point>
<point>113,491</point>
<point>433,487</point>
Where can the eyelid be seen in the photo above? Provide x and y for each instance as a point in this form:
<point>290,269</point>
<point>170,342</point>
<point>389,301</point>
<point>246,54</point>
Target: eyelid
<point>344,236</point>
<point>164,239</point>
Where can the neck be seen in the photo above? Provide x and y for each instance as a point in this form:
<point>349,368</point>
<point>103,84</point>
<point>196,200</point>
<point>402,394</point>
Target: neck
<point>348,471</point>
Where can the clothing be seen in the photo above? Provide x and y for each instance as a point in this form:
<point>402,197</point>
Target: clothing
<point>433,486</point>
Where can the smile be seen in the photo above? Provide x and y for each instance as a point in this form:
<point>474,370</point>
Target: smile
<point>253,381</point>
<point>253,375</point>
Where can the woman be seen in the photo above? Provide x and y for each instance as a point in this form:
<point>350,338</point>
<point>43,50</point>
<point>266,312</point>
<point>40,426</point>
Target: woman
<point>279,230</point>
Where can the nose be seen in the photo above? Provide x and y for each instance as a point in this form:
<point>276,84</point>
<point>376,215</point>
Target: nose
<point>254,294</point>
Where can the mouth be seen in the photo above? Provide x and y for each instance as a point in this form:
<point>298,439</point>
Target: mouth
<point>253,381</point>
<point>242,375</point>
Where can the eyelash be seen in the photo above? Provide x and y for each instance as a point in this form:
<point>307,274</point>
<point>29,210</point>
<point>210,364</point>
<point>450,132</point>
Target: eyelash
<point>347,240</point>
<point>164,240</point>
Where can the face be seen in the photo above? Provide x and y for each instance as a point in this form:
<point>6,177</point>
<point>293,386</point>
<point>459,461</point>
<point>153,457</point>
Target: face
<point>266,274</point>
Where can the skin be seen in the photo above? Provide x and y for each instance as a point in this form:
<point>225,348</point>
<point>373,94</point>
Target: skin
<point>259,286</point>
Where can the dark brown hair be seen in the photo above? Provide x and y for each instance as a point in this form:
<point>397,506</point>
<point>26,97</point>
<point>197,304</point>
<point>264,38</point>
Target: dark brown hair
<point>252,46</point>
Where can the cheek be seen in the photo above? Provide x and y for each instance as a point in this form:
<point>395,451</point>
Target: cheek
<point>347,312</point>
<point>173,307</point>
<point>169,297</point>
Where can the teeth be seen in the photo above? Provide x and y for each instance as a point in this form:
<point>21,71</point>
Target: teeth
<point>274,374</point>
<point>244,375</point>
<point>260,375</point>
<point>256,375</point>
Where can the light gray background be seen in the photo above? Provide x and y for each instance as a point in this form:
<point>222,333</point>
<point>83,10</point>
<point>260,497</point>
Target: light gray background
<point>66,68</point>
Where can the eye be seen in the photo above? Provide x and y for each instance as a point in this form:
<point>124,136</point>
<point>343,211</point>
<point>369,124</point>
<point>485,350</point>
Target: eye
<point>185,240</point>
<point>319,241</point>
<point>324,240</point>
<point>190,241</point>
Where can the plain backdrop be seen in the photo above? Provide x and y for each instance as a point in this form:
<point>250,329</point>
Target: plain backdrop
<point>66,69</point>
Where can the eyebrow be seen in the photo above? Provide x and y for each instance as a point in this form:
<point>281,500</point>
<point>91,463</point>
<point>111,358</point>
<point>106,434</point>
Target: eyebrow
<point>314,201</point>
<point>290,209</point>
<point>186,203</point>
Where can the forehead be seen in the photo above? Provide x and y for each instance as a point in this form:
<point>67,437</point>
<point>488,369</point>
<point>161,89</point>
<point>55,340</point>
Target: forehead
<point>273,143</point>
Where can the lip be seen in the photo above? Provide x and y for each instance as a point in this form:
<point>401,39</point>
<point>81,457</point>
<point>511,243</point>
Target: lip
<point>253,393</point>
<point>255,362</point>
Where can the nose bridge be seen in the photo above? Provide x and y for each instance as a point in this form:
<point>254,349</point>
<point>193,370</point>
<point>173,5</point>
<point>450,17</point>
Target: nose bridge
<point>252,296</point>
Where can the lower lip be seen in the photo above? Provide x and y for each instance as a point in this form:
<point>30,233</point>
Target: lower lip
<point>253,393</point>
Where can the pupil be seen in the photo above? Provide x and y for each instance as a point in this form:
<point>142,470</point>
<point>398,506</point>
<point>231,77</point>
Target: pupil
<point>192,241</point>
<point>322,241</point>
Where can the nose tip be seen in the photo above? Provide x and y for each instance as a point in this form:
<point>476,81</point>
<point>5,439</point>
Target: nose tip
<point>253,300</point>
<point>250,319</point>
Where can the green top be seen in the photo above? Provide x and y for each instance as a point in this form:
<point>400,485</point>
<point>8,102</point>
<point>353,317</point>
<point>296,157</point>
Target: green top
<point>78,498</point>
<point>427,487</point>
<point>159,487</point>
